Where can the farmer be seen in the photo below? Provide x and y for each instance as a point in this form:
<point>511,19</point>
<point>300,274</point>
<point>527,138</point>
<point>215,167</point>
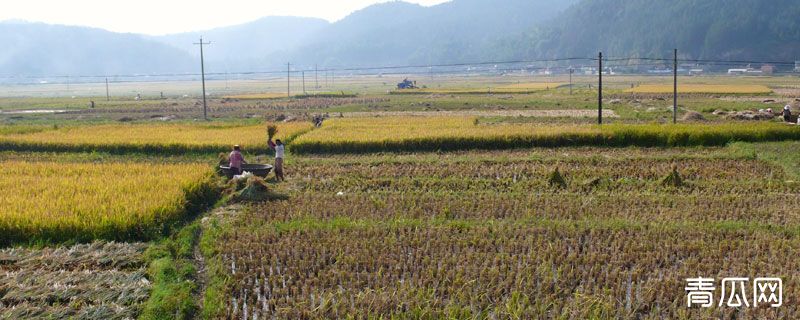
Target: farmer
<point>279,154</point>
<point>236,160</point>
<point>787,114</point>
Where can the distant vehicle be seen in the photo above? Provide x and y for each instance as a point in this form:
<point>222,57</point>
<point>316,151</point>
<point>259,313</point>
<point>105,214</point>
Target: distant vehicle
<point>407,84</point>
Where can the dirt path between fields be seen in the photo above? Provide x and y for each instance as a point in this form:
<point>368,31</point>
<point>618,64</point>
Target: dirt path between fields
<point>228,211</point>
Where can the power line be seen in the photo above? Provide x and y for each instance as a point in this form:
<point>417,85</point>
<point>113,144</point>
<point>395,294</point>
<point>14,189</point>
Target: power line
<point>409,69</point>
<point>281,71</point>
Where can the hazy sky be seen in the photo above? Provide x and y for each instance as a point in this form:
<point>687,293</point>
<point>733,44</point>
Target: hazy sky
<point>171,16</point>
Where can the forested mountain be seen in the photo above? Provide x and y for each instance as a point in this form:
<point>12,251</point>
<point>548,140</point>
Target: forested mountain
<point>403,33</point>
<point>701,29</point>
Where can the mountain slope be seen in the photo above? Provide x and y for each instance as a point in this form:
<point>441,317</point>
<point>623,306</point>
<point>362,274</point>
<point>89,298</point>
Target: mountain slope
<point>399,33</point>
<point>403,33</point>
<point>704,29</point>
<point>41,49</point>
<point>246,45</point>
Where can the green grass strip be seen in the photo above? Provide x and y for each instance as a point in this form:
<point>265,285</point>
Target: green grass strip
<point>171,270</point>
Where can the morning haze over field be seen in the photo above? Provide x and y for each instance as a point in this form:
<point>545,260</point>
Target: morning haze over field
<point>363,159</point>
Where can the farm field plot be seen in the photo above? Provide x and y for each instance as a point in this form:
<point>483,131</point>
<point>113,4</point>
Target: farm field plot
<point>486,235</point>
<point>496,113</point>
<point>20,129</point>
<point>147,138</point>
<point>459,133</point>
<point>702,88</point>
<point>54,201</point>
<point>257,96</point>
<point>533,85</point>
<point>512,88</point>
<point>432,205</point>
<point>301,95</point>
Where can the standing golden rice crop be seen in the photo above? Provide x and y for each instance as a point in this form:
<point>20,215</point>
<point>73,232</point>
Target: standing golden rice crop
<point>407,129</point>
<point>162,138</point>
<point>52,201</point>
<point>392,134</point>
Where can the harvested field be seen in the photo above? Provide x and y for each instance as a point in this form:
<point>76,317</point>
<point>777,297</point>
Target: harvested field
<point>521,88</point>
<point>257,96</point>
<point>90,281</point>
<point>489,113</point>
<point>788,92</point>
<point>702,89</point>
<point>483,234</point>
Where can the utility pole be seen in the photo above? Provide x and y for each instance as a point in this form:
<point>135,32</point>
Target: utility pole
<point>316,77</point>
<point>675,89</point>
<point>288,78</point>
<point>570,79</point>
<point>304,81</point>
<point>600,90</point>
<point>108,96</point>
<point>333,78</point>
<point>203,76</point>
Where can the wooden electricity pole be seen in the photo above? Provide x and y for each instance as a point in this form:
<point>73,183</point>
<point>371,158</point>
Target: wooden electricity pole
<point>316,77</point>
<point>203,76</point>
<point>108,96</point>
<point>675,88</point>
<point>288,78</point>
<point>304,81</point>
<point>570,79</point>
<point>600,90</point>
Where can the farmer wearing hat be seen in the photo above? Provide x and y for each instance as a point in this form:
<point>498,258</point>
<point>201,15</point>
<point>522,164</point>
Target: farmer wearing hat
<point>236,160</point>
<point>787,113</point>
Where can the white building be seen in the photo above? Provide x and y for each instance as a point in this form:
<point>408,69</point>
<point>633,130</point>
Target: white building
<point>737,71</point>
<point>695,72</point>
<point>747,71</point>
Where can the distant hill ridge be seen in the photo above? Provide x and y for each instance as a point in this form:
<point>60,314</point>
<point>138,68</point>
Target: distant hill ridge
<point>398,33</point>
